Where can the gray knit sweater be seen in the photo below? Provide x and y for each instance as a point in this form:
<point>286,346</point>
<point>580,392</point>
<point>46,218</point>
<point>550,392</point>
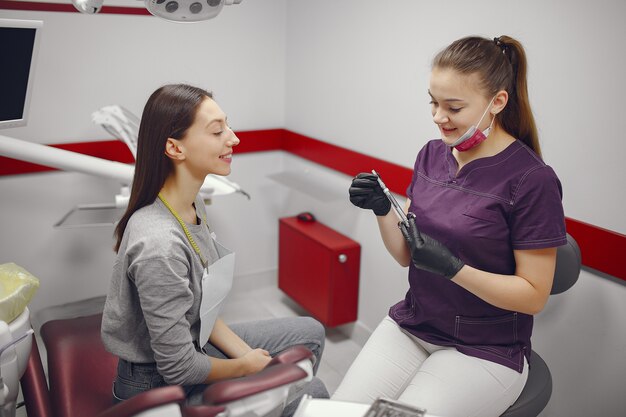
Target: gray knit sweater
<point>151,312</point>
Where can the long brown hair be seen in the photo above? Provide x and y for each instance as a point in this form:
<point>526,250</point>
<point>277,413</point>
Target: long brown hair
<point>501,65</point>
<point>168,113</point>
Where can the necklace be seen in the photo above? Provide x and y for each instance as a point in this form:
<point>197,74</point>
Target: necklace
<point>187,233</point>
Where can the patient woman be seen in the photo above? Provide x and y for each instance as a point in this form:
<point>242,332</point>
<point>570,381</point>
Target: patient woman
<point>171,275</point>
<point>485,218</point>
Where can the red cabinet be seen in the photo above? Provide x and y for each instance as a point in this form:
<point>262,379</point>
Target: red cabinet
<point>318,267</point>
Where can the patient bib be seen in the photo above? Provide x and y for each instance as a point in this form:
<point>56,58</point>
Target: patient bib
<point>217,281</point>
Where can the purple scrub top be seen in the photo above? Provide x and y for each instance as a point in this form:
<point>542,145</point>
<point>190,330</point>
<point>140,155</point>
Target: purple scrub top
<point>492,206</point>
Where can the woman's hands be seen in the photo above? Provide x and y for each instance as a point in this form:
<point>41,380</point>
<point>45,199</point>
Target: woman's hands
<point>254,361</point>
<point>427,253</point>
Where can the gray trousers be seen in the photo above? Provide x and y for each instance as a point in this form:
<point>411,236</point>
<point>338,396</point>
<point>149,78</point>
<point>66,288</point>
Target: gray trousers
<point>274,335</point>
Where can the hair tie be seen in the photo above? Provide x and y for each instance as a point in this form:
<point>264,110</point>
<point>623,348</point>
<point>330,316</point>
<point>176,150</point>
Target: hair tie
<point>500,45</point>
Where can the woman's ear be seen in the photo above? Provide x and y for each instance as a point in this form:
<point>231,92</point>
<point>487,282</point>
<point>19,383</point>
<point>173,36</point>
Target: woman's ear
<point>173,149</point>
<point>499,102</point>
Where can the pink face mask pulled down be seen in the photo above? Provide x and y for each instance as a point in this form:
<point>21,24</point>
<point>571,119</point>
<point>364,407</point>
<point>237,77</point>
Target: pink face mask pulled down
<point>474,136</point>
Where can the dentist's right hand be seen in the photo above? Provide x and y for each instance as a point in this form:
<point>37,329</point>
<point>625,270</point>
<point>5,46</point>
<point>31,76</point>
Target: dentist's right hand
<point>366,193</point>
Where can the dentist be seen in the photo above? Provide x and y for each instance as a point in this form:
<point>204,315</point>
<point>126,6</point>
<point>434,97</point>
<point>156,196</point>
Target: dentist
<point>484,221</point>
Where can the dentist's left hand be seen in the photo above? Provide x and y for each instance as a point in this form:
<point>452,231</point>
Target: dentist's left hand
<point>427,253</point>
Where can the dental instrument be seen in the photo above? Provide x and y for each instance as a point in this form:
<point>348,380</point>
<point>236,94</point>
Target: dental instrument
<point>394,203</point>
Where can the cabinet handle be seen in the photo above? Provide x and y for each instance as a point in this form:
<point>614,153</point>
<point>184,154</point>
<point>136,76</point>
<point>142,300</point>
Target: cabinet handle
<point>343,258</point>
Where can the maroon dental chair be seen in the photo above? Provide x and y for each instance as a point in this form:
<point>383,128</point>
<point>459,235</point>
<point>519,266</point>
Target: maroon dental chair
<point>81,372</point>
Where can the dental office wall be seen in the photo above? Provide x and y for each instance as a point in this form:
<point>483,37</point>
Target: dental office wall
<point>86,62</point>
<point>357,76</point>
<point>354,74</point>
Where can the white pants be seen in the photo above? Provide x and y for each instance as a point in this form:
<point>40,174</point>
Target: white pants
<point>397,365</point>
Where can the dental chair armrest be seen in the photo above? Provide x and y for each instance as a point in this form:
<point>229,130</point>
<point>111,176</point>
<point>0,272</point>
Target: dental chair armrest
<point>269,378</point>
<point>145,401</point>
<point>293,355</point>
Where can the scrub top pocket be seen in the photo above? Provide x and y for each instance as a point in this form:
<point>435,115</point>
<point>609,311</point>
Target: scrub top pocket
<point>484,223</point>
<point>499,330</point>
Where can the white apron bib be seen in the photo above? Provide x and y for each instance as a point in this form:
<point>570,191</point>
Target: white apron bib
<point>217,281</point>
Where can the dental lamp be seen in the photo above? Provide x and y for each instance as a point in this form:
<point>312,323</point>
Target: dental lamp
<point>172,10</point>
<point>88,6</point>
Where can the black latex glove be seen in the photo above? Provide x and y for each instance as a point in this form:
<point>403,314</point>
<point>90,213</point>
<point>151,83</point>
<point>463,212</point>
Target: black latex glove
<point>365,192</point>
<point>427,253</point>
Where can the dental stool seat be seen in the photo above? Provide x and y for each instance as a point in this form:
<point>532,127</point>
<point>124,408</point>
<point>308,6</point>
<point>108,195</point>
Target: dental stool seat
<point>538,389</point>
<point>536,392</point>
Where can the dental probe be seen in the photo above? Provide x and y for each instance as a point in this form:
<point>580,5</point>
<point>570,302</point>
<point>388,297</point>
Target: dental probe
<point>391,198</point>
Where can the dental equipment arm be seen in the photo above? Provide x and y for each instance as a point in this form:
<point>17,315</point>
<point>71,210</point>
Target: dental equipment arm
<point>73,161</point>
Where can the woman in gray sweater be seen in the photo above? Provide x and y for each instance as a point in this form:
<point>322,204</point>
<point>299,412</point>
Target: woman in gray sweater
<point>171,275</point>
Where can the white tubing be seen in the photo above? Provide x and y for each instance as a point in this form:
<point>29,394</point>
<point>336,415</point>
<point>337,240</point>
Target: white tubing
<point>73,161</point>
<point>65,160</point>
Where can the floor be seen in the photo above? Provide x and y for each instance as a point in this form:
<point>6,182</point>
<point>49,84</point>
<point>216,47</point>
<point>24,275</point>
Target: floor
<point>269,302</point>
<point>252,302</point>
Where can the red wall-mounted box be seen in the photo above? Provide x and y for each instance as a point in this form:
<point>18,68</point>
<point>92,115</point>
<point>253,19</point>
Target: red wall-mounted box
<point>318,267</point>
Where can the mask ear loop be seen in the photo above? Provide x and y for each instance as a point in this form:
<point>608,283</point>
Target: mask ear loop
<point>485,112</point>
<point>488,130</point>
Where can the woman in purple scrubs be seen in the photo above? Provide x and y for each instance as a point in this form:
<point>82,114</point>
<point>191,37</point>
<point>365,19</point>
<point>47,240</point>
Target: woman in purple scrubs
<point>485,219</point>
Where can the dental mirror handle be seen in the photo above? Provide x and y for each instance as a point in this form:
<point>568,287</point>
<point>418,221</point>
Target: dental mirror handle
<point>394,203</point>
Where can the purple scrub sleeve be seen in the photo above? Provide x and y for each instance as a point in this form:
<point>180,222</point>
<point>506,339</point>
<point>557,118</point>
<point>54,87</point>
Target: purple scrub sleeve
<point>481,213</point>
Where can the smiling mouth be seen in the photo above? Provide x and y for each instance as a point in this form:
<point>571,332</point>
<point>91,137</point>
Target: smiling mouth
<point>227,156</point>
<point>447,131</point>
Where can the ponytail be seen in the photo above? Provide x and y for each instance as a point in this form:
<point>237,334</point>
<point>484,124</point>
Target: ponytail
<point>517,117</point>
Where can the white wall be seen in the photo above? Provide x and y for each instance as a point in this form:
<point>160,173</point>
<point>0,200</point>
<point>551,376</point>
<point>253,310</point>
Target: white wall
<point>358,72</point>
<point>357,76</point>
<point>90,61</point>
<point>353,73</point>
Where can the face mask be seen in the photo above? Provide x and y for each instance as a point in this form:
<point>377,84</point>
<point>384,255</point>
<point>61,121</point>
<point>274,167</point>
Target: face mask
<point>474,136</point>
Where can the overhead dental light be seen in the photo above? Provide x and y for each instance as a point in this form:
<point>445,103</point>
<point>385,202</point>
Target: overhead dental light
<point>172,10</point>
<point>88,6</point>
<point>187,10</point>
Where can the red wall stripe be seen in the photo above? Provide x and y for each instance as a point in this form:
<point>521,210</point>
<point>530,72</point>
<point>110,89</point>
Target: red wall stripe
<point>42,6</point>
<point>601,249</point>
<point>260,140</point>
<point>396,177</point>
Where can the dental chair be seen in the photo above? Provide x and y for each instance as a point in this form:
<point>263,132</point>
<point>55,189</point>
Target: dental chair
<point>81,372</point>
<point>538,388</point>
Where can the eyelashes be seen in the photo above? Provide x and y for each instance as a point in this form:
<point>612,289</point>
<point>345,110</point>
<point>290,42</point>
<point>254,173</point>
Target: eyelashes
<point>451,109</point>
